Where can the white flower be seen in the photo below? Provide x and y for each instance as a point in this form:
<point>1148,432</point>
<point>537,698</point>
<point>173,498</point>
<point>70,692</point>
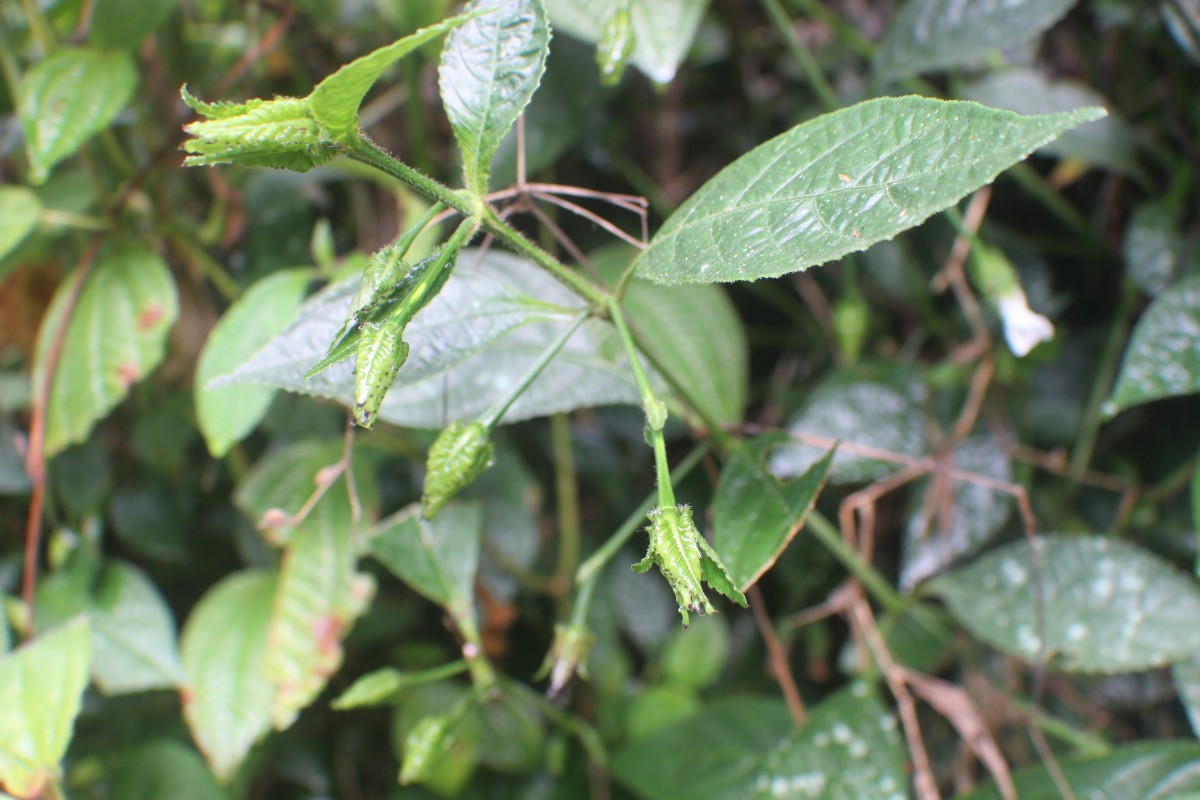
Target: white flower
<point>1024,329</point>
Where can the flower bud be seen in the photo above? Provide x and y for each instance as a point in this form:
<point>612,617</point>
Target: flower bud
<point>460,455</point>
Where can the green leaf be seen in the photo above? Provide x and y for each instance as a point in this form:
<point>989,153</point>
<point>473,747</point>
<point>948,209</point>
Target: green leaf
<point>878,406</point>
<point>1153,247</point>
<point>20,210</point>
<point>1163,355</point>
<point>1106,605</point>
<point>227,701</point>
<point>67,98</point>
<point>1186,677</point>
<point>122,24</point>
<point>1148,770</point>
<point>41,685</point>
<point>840,183</point>
<point>493,320</point>
<point>695,334</point>
<point>946,525</point>
<point>162,769</point>
<point>1107,142</point>
<point>334,102</point>
<point>849,750</point>
<point>490,68</point>
<point>755,516</point>
<point>663,30</point>
<point>228,415</point>
<point>133,634</point>
<point>117,335</point>
<point>385,686</point>
<point>935,34</point>
<point>696,656</point>
<point>436,559</point>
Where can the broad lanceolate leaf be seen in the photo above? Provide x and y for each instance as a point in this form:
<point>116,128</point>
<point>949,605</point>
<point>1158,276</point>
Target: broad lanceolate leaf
<point>227,701</point>
<point>334,102</point>
<point>40,689</point>
<point>133,634</point>
<point>493,320</point>
<point>1147,770</point>
<point>20,210</point>
<point>227,415</point>
<point>438,559</point>
<point>840,183</point>
<point>935,34</point>
<point>663,30</point>
<point>1106,605</point>
<point>749,748</point>
<point>490,68</point>
<point>117,335</point>
<point>754,515</point>
<point>1163,356</point>
<point>68,97</point>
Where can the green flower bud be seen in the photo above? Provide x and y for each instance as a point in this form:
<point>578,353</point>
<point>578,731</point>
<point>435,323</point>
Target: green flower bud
<point>426,744</point>
<point>460,455</point>
<point>567,657</point>
<point>687,561</point>
<point>258,133</point>
<point>616,45</point>
<point>380,355</point>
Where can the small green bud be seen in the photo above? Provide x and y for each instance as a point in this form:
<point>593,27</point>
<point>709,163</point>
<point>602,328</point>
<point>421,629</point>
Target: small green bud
<point>851,324</point>
<point>258,133</point>
<point>687,561</point>
<point>567,656</point>
<point>460,455</point>
<point>656,413</point>
<point>616,46</point>
<point>424,747</point>
<point>380,355</point>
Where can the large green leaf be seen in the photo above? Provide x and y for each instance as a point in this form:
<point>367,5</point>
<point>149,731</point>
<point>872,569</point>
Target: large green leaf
<point>116,336</point>
<point>68,97</point>
<point>839,184</point>
<point>20,210</point>
<point>934,34</point>
<point>754,515</point>
<point>1105,605</point>
<point>947,525</point>
<point>496,316</point>
<point>490,68</point>
<point>749,748</point>
<point>437,559</point>
<point>1147,771</point>
<point>334,102</point>
<point>227,701</point>
<point>162,769</point>
<point>229,414</point>
<point>1163,355</point>
<point>663,30</point>
<point>876,407</point>
<point>133,634</point>
<point>41,685</point>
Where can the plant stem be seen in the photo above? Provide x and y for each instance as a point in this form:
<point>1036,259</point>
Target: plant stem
<point>493,415</point>
<point>812,71</point>
<point>566,490</point>
<point>363,149</point>
<point>870,578</point>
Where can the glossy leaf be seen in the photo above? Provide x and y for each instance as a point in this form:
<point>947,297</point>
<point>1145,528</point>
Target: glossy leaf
<point>227,701</point>
<point>840,183</point>
<point>1162,358</point>
<point>161,769</point>
<point>228,415</point>
<point>663,30</point>
<point>1149,770</point>
<point>436,559</point>
<point>1104,142</point>
<point>1153,247</point>
<point>953,518</point>
<point>41,685</point>
<point>334,102</point>
<point>849,750</point>
<point>493,320</point>
<point>935,34</point>
<point>876,408</point>
<point>755,516</point>
<point>117,335</point>
<point>133,634</point>
<point>67,98</point>
<point>490,68</point>
<point>695,334</point>
<point>20,210</point>
<point>1106,605</point>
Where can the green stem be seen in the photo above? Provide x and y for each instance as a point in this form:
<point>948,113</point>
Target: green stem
<point>1086,743</point>
<point>812,71</point>
<point>566,490</point>
<point>363,149</point>
<point>876,584</point>
<point>594,295</point>
<point>493,415</point>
